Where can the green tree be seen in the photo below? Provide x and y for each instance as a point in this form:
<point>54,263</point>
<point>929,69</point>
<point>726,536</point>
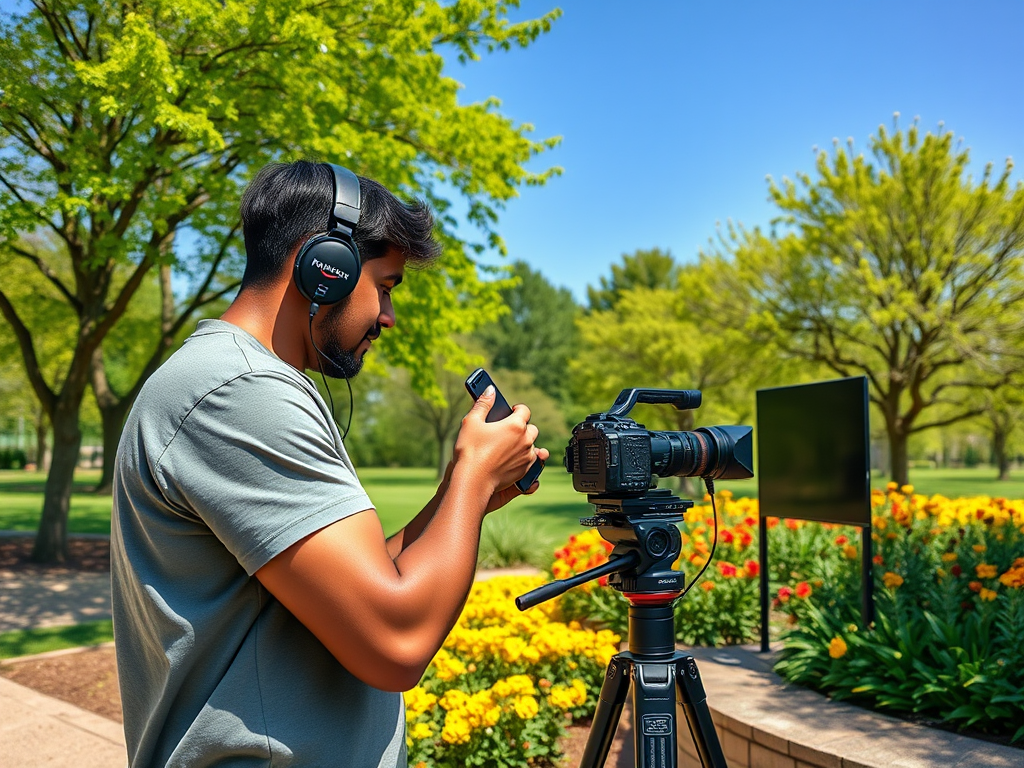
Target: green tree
<point>538,334</point>
<point>121,125</point>
<point>652,268</point>
<point>900,266</point>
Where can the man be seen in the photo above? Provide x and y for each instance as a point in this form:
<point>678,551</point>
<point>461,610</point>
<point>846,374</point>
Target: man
<point>261,617</point>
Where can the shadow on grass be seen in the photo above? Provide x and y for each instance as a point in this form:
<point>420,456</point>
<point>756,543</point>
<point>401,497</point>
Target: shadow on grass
<point>26,642</point>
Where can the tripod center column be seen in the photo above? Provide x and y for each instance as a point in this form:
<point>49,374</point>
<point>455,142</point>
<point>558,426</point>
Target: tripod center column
<point>652,624</point>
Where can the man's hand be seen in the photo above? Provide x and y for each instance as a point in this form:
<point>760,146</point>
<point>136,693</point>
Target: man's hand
<point>502,451</point>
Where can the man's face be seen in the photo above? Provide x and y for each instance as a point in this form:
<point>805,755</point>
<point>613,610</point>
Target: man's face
<point>348,328</point>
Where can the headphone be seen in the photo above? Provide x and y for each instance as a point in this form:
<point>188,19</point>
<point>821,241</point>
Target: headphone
<point>327,267</point>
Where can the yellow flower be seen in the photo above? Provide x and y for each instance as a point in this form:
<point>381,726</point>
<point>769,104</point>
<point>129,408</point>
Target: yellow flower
<point>456,729</point>
<point>850,552</point>
<point>985,571</point>
<point>526,707</point>
<point>987,594</point>
<point>421,731</point>
<point>907,490</point>
<point>512,649</point>
<point>447,666</point>
<point>948,557</point>
<point>454,699</point>
<point>891,486</point>
<point>892,580</point>
<point>837,648</point>
<point>979,548</point>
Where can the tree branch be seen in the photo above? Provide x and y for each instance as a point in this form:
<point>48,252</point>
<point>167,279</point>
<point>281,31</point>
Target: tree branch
<point>28,352</point>
<point>50,275</point>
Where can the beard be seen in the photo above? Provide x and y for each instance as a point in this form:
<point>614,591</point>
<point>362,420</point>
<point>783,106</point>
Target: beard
<point>338,361</point>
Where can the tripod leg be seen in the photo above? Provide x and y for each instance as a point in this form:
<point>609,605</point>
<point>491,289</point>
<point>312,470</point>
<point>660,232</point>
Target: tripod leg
<point>698,716</point>
<point>606,715</point>
<point>654,714</point>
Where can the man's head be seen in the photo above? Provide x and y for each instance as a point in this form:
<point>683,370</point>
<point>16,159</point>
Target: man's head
<point>286,204</point>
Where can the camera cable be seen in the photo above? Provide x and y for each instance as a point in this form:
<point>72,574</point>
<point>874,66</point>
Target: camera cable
<point>709,484</point>
<point>351,399</point>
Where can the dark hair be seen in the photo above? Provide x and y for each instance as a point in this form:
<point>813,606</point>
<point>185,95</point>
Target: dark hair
<point>288,202</point>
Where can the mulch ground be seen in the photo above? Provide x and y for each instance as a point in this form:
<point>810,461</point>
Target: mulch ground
<point>87,679</point>
<point>84,556</point>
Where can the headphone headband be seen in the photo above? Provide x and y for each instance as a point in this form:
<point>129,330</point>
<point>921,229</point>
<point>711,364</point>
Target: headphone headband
<point>347,198</point>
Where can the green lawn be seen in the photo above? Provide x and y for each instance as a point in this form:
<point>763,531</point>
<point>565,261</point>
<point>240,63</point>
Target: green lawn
<point>551,514</point>
<point>28,642</point>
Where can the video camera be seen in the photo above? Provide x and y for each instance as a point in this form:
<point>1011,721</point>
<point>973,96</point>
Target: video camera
<point>610,455</point>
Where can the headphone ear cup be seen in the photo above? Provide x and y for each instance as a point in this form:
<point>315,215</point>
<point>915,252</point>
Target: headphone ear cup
<point>327,268</point>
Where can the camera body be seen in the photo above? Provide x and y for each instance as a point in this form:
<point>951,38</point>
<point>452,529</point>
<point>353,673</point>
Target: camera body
<point>611,455</point>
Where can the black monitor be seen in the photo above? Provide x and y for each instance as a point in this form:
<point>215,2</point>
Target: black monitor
<point>812,444</point>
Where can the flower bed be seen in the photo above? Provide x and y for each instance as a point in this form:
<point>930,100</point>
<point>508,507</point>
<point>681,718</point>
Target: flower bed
<point>948,640</point>
<point>949,573</point>
<point>505,684</point>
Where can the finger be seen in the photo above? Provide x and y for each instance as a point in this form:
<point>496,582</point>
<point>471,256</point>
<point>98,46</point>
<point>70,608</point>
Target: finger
<point>543,454</point>
<point>523,411</point>
<point>483,404</point>
<point>531,433</point>
<point>533,488</point>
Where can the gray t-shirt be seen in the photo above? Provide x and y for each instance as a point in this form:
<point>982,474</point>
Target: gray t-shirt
<point>229,457</point>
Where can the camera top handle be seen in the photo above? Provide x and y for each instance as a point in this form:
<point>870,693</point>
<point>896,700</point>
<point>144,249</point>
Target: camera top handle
<point>682,399</point>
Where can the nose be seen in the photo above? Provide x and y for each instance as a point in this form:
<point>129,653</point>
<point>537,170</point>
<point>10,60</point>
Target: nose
<point>386,318</point>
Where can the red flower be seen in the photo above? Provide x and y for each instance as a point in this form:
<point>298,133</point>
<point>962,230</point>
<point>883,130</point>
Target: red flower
<point>803,590</point>
<point>841,540</point>
<point>784,594</point>
<point>956,570</point>
<point>746,538</point>
<point>877,559</point>
<point>750,521</point>
<point>726,536</point>
<point>751,568</point>
<point>728,570</point>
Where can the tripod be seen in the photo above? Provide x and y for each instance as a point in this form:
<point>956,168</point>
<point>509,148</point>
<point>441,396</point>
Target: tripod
<point>646,544</point>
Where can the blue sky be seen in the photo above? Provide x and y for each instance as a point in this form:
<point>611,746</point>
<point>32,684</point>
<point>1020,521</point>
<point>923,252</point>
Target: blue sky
<point>673,113</point>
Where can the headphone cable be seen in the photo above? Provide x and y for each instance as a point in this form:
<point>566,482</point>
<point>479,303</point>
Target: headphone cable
<point>320,353</point>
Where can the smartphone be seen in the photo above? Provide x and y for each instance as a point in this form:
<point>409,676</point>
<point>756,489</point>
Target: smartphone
<point>477,382</point>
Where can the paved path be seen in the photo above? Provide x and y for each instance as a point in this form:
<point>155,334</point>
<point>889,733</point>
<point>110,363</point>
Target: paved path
<point>31,600</point>
<point>38,730</point>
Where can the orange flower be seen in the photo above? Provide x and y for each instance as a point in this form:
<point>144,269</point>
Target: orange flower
<point>948,557</point>
<point>837,648</point>
<point>892,580</point>
<point>975,586</point>
<point>707,586</point>
<point>987,594</point>
<point>850,552</point>
<point>986,571</point>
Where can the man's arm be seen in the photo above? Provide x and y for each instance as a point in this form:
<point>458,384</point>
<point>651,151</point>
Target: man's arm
<point>383,616</point>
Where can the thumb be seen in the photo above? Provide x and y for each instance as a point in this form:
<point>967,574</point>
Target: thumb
<point>485,401</point>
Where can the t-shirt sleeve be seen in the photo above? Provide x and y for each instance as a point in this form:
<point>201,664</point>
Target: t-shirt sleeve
<point>257,461</point>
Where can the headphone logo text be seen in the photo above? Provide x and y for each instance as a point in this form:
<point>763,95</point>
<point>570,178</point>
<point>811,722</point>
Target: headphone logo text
<point>328,271</point>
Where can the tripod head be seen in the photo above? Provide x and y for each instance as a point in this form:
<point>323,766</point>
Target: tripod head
<point>647,543</point>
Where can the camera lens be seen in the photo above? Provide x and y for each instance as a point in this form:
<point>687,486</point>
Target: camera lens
<point>715,452</point>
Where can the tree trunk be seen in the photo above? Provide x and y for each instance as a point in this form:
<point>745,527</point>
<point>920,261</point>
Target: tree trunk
<point>999,457</point>
<point>442,454</point>
<point>113,417</point>
<point>51,544</point>
<point>42,442</point>
<point>899,460</point>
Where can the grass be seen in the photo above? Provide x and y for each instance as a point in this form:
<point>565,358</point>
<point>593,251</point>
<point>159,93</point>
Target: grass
<point>28,642</point>
<point>550,515</point>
